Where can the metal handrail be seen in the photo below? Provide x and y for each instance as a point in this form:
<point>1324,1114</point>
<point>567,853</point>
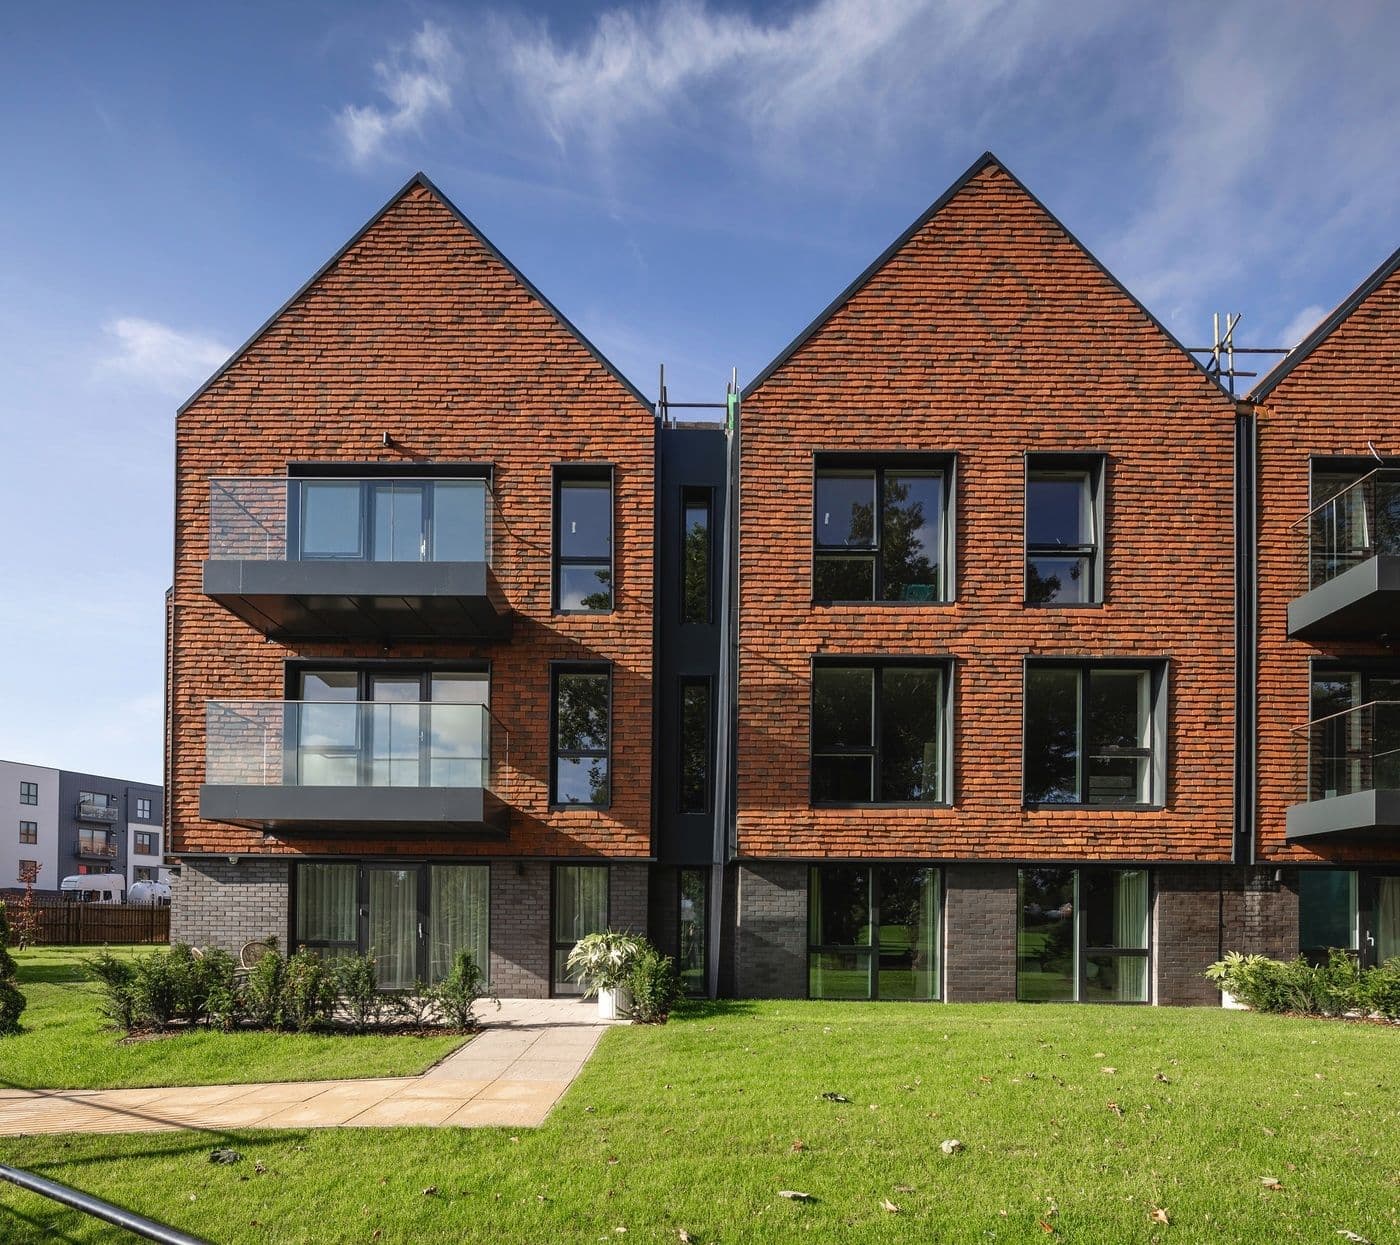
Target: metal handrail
<point>1322,505</point>
<point>1341,713</point>
<point>76,1199</point>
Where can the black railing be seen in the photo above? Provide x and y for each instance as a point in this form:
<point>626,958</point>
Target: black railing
<point>76,1199</point>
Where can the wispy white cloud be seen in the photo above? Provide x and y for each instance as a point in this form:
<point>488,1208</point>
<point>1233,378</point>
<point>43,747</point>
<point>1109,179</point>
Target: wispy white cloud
<point>416,83</point>
<point>1301,325</point>
<point>158,355</point>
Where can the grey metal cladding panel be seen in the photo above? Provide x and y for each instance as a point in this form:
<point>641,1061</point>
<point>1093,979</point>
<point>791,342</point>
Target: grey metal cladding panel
<point>355,808</point>
<point>1363,601</point>
<point>1361,814</point>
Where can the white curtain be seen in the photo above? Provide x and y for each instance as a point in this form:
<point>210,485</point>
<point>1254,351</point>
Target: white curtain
<point>459,903</point>
<point>1130,931</point>
<point>1387,918</point>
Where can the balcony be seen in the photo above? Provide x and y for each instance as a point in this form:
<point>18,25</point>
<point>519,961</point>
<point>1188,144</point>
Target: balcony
<point>345,558</point>
<point>91,810</point>
<point>95,848</point>
<point>291,766</point>
<point>1352,765</point>
<point>1353,562</point>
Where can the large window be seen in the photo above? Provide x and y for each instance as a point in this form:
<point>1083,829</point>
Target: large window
<point>1064,521</point>
<point>582,737</point>
<point>1354,737</point>
<point>1355,515</point>
<point>691,929</point>
<point>1327,912</point>
<point>696,573</point>
<point>29,832</point>
<point>146,843</point>
<point>878,733</point>
<point>1082,936</point>
<point>388,520</point>
<point>29,793</point>
<point>879,532</point>
<point>872,932</point>
<point>97,799</point>
<point>580,907</point>
<point>583,541</point>
<point>1094,734</point>
<point>695,745</point>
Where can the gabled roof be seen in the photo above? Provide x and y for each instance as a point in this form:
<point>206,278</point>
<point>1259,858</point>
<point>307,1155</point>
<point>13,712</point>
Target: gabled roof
<point>984,161</point>
<point>1324,330</point>
<point>421,179</point>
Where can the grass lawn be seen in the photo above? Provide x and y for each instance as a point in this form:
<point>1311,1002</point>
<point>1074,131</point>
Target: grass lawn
<point>1077,1123</point>
<point>66,1044</point>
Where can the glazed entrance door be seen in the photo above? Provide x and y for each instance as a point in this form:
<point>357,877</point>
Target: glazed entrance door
<point>1381,937</point>
<point>395,925</point>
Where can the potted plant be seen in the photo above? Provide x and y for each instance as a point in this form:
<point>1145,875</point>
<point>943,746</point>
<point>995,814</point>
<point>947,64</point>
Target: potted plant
<point>603,962</point>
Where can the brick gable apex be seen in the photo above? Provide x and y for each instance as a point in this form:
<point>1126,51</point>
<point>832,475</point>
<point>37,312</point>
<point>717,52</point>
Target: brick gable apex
<point>417,190</point>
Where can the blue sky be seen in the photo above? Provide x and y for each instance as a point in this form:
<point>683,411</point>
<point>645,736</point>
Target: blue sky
<point>689,181</point>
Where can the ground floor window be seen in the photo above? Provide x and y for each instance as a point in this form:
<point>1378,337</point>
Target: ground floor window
<point>1349,910</point>
<point>145,873</point>
<point>1082,935</point>
<point>580,907</point>
<point>412,918</point>
<point>872,932</point>
<point>690,940</point>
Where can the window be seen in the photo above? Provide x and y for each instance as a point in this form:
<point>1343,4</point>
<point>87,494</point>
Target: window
<point>1082,936</point>
<point>143,808</point>
<point>1355,516</point>
<point>389,520</point>
<point>97,799</point>
<point>879,533</point>
<point>580,907</point>
<point>872,932</point>
<point>1064,518</point>
<point>691,930</point>
<point>1093,734</point>
<point>1327,912</point>
<point>146,843</point>
<point>29,832</point>
<point>582,736</point>
<point>878,733</point>
<point>1354,735</point>
<point>583,541</point>
<point>695,555</point>
<point>28,872</point>
<point>145,873</point>
<point>29,793</point>
<point>695,745</point>
<point>95,843</point>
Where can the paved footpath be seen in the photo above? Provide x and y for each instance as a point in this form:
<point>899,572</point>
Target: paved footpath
<point>509,1075</point>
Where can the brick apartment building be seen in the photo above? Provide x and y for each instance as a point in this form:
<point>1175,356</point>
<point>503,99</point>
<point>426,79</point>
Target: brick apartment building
<point>929,672</point>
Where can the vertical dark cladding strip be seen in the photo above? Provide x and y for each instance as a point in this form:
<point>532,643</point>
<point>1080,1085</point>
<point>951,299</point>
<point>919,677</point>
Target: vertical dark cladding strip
<point>1246,630</point>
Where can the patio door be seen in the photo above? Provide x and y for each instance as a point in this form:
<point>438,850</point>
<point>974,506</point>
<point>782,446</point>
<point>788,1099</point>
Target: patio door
<point>1381,918</point>
<point>396,731</point>
<point>394,924</point>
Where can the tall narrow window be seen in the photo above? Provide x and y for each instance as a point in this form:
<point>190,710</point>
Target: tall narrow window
<point>582,736</point>
<point>29,793</point>
<point>690,934</point>
<point>583,542</point>
<point>695,555</point>
<point>872,932</point>
<point>29,832</point>
<point>695,745</point>
<point>877,733</point>
<point>580,907</point>
<point>143,808</point>
<point>1093,735</point>
<point>327,912</point>
<point>1082,935</point>
<point>1063,520</point>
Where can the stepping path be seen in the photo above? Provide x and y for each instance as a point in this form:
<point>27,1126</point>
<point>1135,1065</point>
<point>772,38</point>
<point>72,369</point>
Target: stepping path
<point>509,1075</point>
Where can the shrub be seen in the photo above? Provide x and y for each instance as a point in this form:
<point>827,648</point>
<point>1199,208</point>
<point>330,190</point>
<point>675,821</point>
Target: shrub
<point>358,987</point>
<point>455,995</point>
<point>1380,989</point>
<point>1331,989</point>
<point>603,961</point>
<point>159,987</point>
<point>12,1002</point>
<point>118,997</point>
<point>224,996</point>
<point>415,1007</point>
<point>308,991</point>
<point>189,981</point>
<point>655,986</point>
<point>263,989</point>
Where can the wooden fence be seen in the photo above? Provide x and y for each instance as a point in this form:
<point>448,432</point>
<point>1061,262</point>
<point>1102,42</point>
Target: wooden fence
<point>92,924</point>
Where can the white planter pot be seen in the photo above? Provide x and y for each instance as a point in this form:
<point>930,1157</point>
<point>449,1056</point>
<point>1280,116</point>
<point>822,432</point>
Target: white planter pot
<point>615,1003</point>
<point>1229,1001</point>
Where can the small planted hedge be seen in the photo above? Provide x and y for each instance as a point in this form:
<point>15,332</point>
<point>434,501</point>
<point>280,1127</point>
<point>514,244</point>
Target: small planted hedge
<point>299,993</point>
<point>1337,988</point>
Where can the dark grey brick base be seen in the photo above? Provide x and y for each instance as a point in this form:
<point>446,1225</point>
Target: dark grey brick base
<point>1186,934</point>
<point>520,923</point>
<point>218,904</point>
<point>770,943</point>
<point>627,898</point>
<point>979,933</point>
<point>663,916</point>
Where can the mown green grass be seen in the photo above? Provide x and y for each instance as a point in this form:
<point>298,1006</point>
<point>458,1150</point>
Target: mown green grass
<point>694,1126</point>
<point>66,1044</point>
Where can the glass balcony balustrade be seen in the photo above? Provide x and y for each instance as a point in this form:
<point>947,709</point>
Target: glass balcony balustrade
<point>1349,765</point>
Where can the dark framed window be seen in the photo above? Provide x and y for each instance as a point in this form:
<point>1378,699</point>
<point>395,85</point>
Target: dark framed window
<point>93,842</point>
<point>1064,529</point>
<point>581,901</point>
<point>582,734</point>
<point>1328,912</point>
<point>879,529</point>
<point>146,843</point>
<point>143,808</point>
<point>388,520</point>
<point>98,799</point>
<point>1083,935</point>
<point>583,540</point>
<point>1355,514</point>
<point>692,926</point>
<point>145,873</point>
<point>1095,734</point>
<point>696,745</point>
<point>879,732</point>
<point>28,871</point>
<point>696,555</point>
<point>29,793</point>
<point>29,832</point>
<point>1354,731</point>
<point>872,932</point>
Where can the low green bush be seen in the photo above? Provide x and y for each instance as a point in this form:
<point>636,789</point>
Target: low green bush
<point>308,991</point>
<point>358,987</point>
<point>1338,987</point>
<point>454,998</point>
<point>655,986</point>
<point>1380,989</point>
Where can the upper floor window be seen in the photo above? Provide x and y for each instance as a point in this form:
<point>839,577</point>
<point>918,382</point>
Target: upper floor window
<point>583,540</point>
<point>391,520</point>
<point>1355,516</point>
<point>146,843</point>
<point>879,530</point>
<point>695,744</point>
<point>582,732</point>
<point>143,808</point>
<point>29,793</point>
<point>1094,734</point>
<point>1064,525</point>
<point>878,732</point>
<point>695,555</point>
<point>1354,734</point>
<point>98,799</point>
<point>29,832</point>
